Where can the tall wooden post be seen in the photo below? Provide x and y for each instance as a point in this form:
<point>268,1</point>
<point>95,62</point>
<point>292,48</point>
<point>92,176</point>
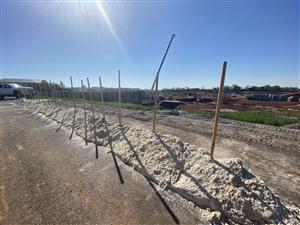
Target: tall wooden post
<point>84,111</point>
<point>63,94</point>
<point>156,84</point>
<point>102,97</point>
<point>72,91</point>
<point>119,81</point>
<point>39,94</point>
<point>93,114</point>
<point>74,105</point>
<point>46,90</point>
<point>217,113</point>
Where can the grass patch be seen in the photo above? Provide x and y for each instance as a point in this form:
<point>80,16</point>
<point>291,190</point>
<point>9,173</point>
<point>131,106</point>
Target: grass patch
<point>123,105</point>
<point>261,116</point>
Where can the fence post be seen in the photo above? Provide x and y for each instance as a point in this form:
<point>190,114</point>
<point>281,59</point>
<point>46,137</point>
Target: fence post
<point>102,97</point>
<point>119,81</point>
<point>94,123</point>
<point>46,90</point>
<point>39,89</point>
<point>217,113</point>
<point>73,122</point>
<point>84,110</point>
<point>63,93</point>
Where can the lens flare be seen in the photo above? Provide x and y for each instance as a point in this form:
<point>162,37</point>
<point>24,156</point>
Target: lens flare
<point>110,26</point>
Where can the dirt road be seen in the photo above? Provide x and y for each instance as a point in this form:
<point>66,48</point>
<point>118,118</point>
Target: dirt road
<point>47,179</point>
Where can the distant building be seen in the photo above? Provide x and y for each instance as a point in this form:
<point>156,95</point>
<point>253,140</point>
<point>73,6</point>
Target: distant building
<point>23,82</point>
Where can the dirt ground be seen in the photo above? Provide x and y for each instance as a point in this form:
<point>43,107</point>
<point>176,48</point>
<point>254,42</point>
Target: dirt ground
<point>270,152</point>
<point>48,179</point>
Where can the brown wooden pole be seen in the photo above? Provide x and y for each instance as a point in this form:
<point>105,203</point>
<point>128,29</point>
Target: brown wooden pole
<point>72,90</point>
<point>119,81</point>
<point>156,84</point>
<point>102,97</point>
<point>218,107</point>
<point>39,93</point>
<point>46,92</point>
<point>84,111</point>
<point>63,94</point>
<point>93,114</point>
<point>74,105</point>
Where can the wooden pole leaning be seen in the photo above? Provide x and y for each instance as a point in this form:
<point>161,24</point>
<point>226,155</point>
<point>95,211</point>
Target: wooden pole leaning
<point>94,122</point>
<point>119,82</point>
<point>218,107</point>
<point>155,83</point>
<point>84,110</point>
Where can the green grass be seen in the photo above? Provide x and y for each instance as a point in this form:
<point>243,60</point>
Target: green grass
<point>260,116</point>
<point>123,105</point>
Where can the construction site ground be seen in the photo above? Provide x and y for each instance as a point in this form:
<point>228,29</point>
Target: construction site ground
<point>48,179</point>
<point>39,165</point>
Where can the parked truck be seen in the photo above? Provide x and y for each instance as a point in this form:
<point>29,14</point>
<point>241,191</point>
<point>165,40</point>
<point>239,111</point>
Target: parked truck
<point>15,90</point>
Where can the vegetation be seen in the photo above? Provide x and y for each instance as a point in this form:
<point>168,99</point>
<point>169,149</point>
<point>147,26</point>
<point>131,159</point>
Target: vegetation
<point>123,105</point>
<point>261,116</point>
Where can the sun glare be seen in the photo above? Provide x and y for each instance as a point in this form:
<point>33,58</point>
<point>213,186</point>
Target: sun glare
<point>109,25</point>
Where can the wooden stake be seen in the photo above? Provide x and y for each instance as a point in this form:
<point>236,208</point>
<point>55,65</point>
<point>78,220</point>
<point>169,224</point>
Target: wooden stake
<point>156,84</point>
<point>102,97</point>
<point>217,113</point>
<point>84,110</point>
<point>63,94</point>
<point>119,81</point>
<point>73,122</point>
<point>46,90</point>
<point>72,91</point>
<point>40,93</point>
<point>93,114</point>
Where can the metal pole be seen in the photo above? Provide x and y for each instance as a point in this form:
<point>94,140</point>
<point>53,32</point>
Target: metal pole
<point>217,113</point>
<point>156,83</point>
<point>84,109</point>
<point>93,114</point>
<point>119,81</point>
<point>102,97</point>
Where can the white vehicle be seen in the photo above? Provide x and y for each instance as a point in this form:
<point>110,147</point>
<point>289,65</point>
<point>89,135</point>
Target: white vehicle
<point>15,90</point>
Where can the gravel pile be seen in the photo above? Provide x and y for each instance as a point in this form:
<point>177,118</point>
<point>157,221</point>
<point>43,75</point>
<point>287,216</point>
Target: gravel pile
<point>224,187</point>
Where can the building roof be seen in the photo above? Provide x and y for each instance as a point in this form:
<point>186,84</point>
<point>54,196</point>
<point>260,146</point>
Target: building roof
<point>17,80</point>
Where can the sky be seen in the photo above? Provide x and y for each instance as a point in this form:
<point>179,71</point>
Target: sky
<point>53,40</point>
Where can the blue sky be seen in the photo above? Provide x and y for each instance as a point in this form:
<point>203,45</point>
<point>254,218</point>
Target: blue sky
<point>53,40</point>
